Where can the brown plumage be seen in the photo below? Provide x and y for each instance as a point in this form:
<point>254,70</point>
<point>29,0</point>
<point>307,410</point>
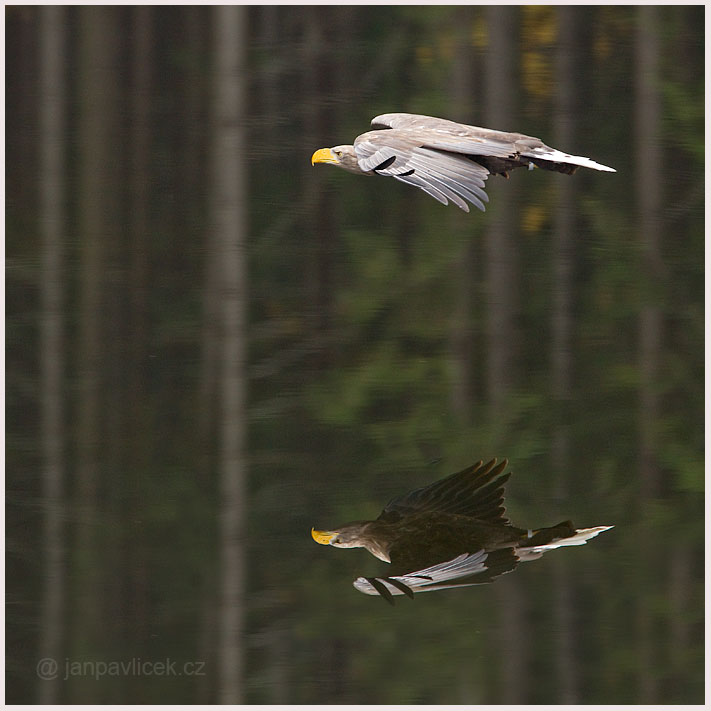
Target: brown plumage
<point>453,530</point>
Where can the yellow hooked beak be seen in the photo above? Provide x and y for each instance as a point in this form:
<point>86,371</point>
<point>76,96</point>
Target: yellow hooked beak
<point>322,537</point>
<point>323,155</point>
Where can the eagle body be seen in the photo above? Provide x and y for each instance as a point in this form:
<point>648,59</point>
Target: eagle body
<point>449,161</point>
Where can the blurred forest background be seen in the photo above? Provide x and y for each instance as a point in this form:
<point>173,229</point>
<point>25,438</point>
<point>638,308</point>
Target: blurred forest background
<point>213,346</point>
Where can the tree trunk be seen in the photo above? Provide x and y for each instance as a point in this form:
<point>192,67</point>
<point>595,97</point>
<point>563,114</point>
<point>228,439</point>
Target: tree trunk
<point>98,114</point>
<point>501,308</point>
<point>138,420</point>
<point>195,151</point>
<point>649,197</point>
<point>501,262</point>
<point>461,329</point>
<point>52,214</point>
<point>230,223</point>
<point>561,345</point>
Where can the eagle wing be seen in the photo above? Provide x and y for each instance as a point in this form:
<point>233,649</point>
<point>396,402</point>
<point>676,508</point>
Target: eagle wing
<point>463,571</point>
<point>477,491</point>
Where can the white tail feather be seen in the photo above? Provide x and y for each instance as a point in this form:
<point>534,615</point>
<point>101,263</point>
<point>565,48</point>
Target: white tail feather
<point>557,156</point>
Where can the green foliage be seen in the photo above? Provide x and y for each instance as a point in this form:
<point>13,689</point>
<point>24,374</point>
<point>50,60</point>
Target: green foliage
<point>684,117</point>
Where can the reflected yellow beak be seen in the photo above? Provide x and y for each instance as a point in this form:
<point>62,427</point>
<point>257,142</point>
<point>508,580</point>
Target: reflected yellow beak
<point>322,537</point>
<point>323,155</point>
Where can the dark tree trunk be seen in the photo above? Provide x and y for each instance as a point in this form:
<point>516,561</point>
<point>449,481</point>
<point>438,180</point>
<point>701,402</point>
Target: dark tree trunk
<point>462,327</point>
<point>52,214</point>
<point>561,345</point>
<point>502,301</point>
<point>210,326</point>
<point>98,221</point>
<point>138,421</point>
<point>649,199</point>
<point>501,252</point>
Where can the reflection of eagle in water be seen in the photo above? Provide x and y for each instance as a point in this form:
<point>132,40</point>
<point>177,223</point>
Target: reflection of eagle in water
<point>452,533</point>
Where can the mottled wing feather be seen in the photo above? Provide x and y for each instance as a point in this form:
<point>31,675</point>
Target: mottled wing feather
<point>477,491</point>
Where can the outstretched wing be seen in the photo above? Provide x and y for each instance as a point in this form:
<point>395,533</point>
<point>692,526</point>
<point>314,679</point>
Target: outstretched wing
<point>476,141</point>
<point>463,571</point>
<point>448,135</point>
<point>477,491</point>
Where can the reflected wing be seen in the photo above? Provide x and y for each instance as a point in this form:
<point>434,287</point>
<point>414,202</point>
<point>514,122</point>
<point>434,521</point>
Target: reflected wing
<point>476,141</point>
<point>477,491</point>
<point>404,156</point>
<point>463,571</point>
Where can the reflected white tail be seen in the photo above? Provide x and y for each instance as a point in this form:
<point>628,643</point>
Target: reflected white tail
<point>579,538</point>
